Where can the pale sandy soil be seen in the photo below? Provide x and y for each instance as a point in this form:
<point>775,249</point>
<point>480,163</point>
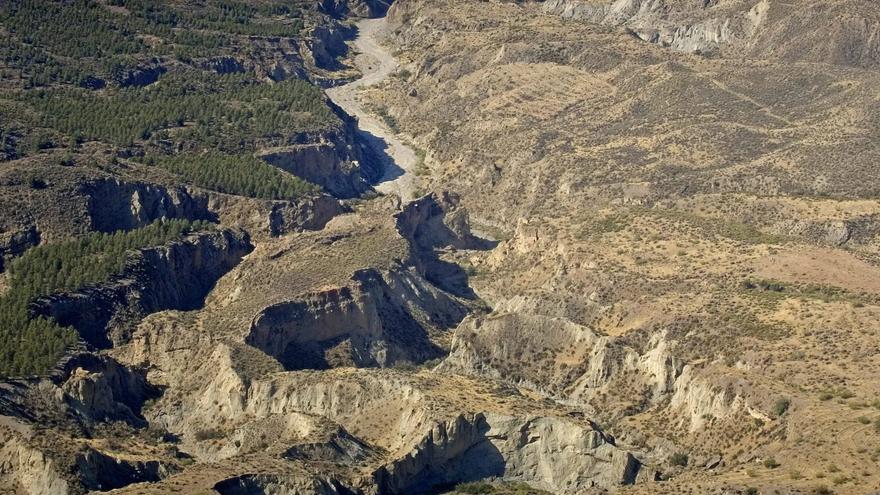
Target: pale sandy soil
<point>376,64</point>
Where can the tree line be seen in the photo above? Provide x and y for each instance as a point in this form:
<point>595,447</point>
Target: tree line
<point>47,42</point>
<point>232,107</point>
<point>242,175</point>
<point>34,344</point>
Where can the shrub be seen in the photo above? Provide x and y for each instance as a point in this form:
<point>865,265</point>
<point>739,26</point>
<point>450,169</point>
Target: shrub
<point>475,488</point>
<point>770,463</point>
<point>209,434</point>
<point>781,406</point>
<point>679,459</point>
<point>38,183</point>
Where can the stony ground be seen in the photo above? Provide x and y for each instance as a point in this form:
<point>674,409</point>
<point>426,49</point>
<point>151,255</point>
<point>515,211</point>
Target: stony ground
<point>716,210</point>
<point>676,289</point>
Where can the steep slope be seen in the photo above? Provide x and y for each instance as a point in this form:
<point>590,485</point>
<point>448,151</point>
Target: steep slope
<point>673,228</point>
<point>670,287</point>
<point>841,32</point>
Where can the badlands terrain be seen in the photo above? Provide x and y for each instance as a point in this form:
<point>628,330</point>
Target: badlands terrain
<point>440,246</point>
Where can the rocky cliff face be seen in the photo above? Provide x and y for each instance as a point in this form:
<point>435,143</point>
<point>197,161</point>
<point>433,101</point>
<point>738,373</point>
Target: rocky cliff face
<point>116,205</point>
<point>16,242</point>
<point>334,160</point>
<point>79,400</point>
<point>176,276</point>
<point>326,45</point>
<point>98,471</point>
<point>267,218</point>
<point>23,467</point>
<point>475,447</point>
<point>563,360</point>
<point>99,389</point>
<point>381,319</point>
<point>844,33</point>
<point>685,26</point>
<point>280,485</point>
<point>362,8</point>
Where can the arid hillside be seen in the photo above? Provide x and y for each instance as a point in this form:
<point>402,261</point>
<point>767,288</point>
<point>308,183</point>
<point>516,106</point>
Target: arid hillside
<point>688,240</point>
<point>440,247</point>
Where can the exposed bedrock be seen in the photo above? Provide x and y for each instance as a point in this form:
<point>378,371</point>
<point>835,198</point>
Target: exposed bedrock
<point>99,471</point>
<point>100,389</point>
<point>843,33</point>
<point>115,205</point>
<point>691,28</point>
<point>419,422</point>
<point>378,320</point>
<point>573,364</point>
<point>361,8</point>
<point>331,159</point>
<point>72,457</point>
<point>267,218</point>
<point>560,358</point>
<point>549,453</point>
<point>381,317</point>
<point>141,75</point>
<point>327,43</point>
<point>175,276</point>
<point>307,214</point>
<point>28,469</point>
<point>341,448</point>
<point>857,230</point>
<point>16,242</point>
<point>437,222</point>
<point>272,484</point>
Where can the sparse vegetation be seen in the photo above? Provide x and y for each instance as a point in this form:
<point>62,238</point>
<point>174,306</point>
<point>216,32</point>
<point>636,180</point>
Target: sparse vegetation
<point>389,119</point>
<point>209,434</point>
<point>497,488</point>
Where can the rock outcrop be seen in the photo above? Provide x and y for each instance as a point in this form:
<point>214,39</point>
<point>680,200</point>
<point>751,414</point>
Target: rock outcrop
<point>548,453</point>
<point>23,467</point>
<point>434,223</point>
<point>561,359</point>
<point>326,44</point>
<point>843,33</point>
<point>98,388</point>
<point>263,218</point>
<point>362,8</point>
<point>16,242</point>
<point>381,319</point>
<point>116,205</point>
<point>333,160</point>
<point>280,485</point>
<point>99,471</point>
<point>307,214</point>
<point>175,276</point>
<point>142,75</point>
<point>701,27</point>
